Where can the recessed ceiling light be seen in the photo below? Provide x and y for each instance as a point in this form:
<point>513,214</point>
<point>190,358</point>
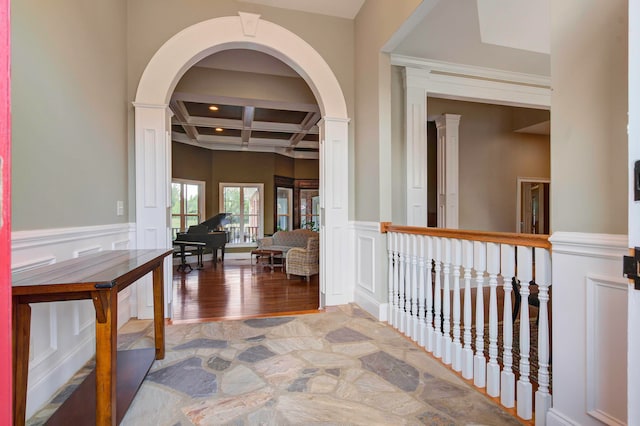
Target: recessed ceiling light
<point>213,107</point>
<point>219,129</point>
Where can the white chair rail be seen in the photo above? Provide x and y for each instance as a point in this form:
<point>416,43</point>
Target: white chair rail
<point>434,275</point>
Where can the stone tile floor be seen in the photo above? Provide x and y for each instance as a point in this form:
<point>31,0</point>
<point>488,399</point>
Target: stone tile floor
<point>341,367</point>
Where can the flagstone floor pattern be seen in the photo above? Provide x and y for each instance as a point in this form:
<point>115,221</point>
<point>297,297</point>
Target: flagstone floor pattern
<point>340,367</point>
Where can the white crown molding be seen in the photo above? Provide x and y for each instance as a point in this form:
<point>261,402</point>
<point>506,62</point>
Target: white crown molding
<point>442,67</point>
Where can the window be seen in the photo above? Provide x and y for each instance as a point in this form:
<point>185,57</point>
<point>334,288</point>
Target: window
<point>245,203</point>
<point>283,209</point>
<point>309,209</point>
<point>187,204</point>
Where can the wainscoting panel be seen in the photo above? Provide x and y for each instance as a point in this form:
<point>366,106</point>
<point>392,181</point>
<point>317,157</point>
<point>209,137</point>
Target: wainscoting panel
<point>63,333</point>
<point>589,331</point>
<point>606,348</point>
<point>371,268</point>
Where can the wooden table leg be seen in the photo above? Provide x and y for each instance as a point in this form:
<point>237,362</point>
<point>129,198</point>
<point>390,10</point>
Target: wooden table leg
<point>21,329</point>
<point>158,309</point>
<point>106,304</point>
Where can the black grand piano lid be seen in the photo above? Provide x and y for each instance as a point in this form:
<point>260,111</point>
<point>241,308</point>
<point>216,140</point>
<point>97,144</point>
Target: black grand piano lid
<point>216,222</point>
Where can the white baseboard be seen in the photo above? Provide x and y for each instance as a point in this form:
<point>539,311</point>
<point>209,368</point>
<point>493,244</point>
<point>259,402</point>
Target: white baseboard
<point>367,302</point>
<point>554,418</point>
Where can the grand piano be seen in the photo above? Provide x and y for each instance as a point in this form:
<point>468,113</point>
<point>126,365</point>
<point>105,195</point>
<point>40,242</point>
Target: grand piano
<point>208,234</point>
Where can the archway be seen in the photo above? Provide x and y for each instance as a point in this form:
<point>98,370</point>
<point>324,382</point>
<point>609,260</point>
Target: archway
<point>153,139</point>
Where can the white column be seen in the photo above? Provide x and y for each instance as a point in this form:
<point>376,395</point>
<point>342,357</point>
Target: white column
<point>153,196</point>
<point>337,288</point>
<point>416,147</point>
<point>448,132</point>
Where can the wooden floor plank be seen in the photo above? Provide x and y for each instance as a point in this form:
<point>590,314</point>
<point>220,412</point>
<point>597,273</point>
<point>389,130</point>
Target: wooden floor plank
<point>235,289</point>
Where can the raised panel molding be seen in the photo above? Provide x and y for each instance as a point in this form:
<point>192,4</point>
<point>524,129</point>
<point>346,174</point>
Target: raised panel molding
<point>63,332</point>
<point>366,263</point>
<point>370,273</point>
<point>606,349</point>
<point>150,173</point>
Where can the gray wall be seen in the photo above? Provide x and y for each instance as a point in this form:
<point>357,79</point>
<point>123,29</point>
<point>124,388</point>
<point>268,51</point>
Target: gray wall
<point>69,127</point>
<point>589,116</point>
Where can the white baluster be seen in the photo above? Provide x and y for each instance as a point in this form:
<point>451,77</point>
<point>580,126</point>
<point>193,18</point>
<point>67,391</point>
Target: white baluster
<point>446,300</point>
<point>437,298</point>
<point>507,378</point>
<point>407,286</point>
<point>456,348</point>
<point>401,283</point>
<point>390,280</point>
<point>543,279</point>
<point>493,369</point>
<point>396,280</point>
<point>467,352</point>
<point>413,331</point>
<point>524,389</point>
<point>422,325</point>
<point>479,361</point>
<point>429,288</point>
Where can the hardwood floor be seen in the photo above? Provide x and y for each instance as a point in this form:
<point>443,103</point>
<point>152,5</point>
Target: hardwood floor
<point>235,290</point>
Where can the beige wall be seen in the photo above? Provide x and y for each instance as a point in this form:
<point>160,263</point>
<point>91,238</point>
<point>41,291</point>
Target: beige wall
<point>375,24</point>
<point>213,167</point>
<point>69,127</point>
<point>491,158</point>
<point>589,116</point>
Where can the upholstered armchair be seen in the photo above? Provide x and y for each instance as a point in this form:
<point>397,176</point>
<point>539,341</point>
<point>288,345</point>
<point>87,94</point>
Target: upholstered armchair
<point>304,261</point>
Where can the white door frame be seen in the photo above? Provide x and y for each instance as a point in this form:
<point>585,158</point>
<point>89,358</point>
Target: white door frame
<point>633,320</point>
<point>153,141</point>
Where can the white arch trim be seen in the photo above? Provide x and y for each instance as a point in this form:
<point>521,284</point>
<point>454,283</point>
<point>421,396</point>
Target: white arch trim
<point>153,141</point>
<point>246,31</point>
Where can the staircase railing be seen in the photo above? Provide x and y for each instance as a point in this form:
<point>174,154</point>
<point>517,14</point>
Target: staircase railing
<point>433,274</point>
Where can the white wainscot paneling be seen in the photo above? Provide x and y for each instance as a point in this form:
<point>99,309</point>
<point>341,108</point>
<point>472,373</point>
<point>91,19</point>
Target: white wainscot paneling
<point>589,332</point>
<point>606,348</point>
<point>371,268</point>
<point>63,333</point>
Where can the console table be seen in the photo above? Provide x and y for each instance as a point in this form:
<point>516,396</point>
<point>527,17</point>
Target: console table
<point>105,395</point>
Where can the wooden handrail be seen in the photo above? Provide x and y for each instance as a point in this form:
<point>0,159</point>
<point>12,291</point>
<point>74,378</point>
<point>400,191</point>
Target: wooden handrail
<point>527,240</point>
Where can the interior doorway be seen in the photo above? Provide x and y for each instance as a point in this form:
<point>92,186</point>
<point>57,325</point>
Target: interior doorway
<point>153,127</point>
<point>532,215</point>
